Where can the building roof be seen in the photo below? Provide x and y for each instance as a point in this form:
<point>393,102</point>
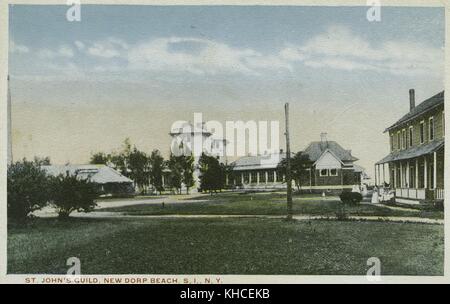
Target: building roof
<point>100,174</point>
<point>268,161</point>
<point>423,107</point>
<point>189,128</point>
<point>317,148</point>
<point>413,152</point>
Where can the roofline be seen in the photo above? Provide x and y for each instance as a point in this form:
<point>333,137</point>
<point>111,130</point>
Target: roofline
<point>413,117</point>
<point>323,153</point>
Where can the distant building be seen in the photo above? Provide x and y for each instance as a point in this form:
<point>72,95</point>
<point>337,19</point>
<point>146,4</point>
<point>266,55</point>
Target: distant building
<point>415,165</point>
<point>185,138</point>
<point>109,181</point>
<point>332,168</point>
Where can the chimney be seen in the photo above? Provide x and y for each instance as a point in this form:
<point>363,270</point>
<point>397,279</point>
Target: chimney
<point>412,99</point>
<point>323,137</point>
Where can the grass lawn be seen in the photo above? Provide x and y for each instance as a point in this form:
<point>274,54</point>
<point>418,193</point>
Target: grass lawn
<point>267,204</point>
<point>225,246</point>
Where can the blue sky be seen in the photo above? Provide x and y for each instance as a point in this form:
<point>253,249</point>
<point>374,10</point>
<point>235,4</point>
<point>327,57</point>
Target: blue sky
<point>230,62</point>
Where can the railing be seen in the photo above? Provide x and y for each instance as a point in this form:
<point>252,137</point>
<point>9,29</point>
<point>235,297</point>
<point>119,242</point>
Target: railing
<point>439,194</point>
<point>419,194</point>
<point>410,193</point>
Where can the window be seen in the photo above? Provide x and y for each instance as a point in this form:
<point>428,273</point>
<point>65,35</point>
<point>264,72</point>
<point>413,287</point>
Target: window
<point>279,177</point>
<point>323,172</point>
<point>333,172</point>
<point>411,136</point>
<point>403,139</point>
<point>398,141</point>
<point>270,177</point>
<point>246,178</point>
<point>262,177</point>
<point>392,142</point>
<point>431,128</point>
<point>422,132</point>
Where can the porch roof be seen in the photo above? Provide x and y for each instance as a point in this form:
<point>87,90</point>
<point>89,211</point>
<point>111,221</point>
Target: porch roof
<point>413,152</point>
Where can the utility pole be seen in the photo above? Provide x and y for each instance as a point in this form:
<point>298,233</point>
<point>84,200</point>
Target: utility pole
<point>288,166</point>
<point>9,131</point>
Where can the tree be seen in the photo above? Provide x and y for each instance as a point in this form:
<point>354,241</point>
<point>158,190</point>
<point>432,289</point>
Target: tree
<point>300,162</point>
<point>176,172</point>
<point>212,174</point>
<point>156,163</point>
<point>138,167</point>
<point>42,161</point>
<point>187,164</point>
<point>100,158</point>
<point>28,189</point>
<point>70,193</point>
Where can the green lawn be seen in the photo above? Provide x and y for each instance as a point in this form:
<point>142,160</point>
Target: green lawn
<point>225,246</point>
<point>268,204</point>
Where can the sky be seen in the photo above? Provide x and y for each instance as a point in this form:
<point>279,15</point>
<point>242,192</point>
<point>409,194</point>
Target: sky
<point>131,71</point>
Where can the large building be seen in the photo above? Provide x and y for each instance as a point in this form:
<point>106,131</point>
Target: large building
<point>187,137</point>
<point>332,168</point>
<point>109,181</point>
<point>414,168</point>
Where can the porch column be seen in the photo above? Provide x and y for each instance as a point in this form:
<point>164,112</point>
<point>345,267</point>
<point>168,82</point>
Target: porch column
<point>395,175</point>
<point>401,175</point>
<point>417,174</point>
<point>384,175</point>
<point>250,177</point>
<point>379,179</point>
<point>267,176</point>
<point>425,173</point>
<point>226,179</point>
<point>434,170</point>
<point>275,176</point>
<point>257,177</point>
<point>408,179</point>
<point>376,183</point>
<point>242,178</point>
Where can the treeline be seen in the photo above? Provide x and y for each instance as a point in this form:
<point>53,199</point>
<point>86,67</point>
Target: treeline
<point>148,170</point>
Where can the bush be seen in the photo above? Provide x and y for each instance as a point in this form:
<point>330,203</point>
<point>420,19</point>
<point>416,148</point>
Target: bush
<point>351,198</point>
<point>69,193</point>
<point>28,189</point>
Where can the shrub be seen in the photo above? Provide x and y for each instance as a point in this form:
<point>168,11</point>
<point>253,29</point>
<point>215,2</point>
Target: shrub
<point>351,198</point>
<point>28,189</point>
<point>70,193</point>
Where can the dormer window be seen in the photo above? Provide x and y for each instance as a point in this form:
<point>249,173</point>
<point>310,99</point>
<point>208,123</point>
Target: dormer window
<point>398,141</point>
<point>404,139</point>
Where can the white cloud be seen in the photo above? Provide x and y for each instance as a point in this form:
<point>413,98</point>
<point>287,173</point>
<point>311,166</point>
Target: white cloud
<point>108,48</point>
<point>80,45</point>
<point>64,51</point>
<point>339,48</point>
<point>17,48</point>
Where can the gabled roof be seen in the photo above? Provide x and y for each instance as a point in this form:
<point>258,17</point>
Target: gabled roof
<point>317,148</point>
<point>413,152</point>
<point>423,107</point>
<point>269,161</point>
<point>100,174</point>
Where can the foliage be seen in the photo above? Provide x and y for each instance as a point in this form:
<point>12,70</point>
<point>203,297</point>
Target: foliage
<point>300,162</point>
<point>212,173</point>
<point>42,161</point>
<point>176,172</point>
<point>156,163</point>
<point>139,169</point>
<point>100,158</point>
<point>187,164</point>
<point>350,198</point>
<point>70,193</point>
<point>28,186</point>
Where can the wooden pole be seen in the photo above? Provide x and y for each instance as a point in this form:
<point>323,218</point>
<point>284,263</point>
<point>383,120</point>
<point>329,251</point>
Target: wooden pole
<point>288,166</point>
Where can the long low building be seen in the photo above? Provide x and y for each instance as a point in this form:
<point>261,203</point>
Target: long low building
<point>108,180</point>
<point>332,168</point>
